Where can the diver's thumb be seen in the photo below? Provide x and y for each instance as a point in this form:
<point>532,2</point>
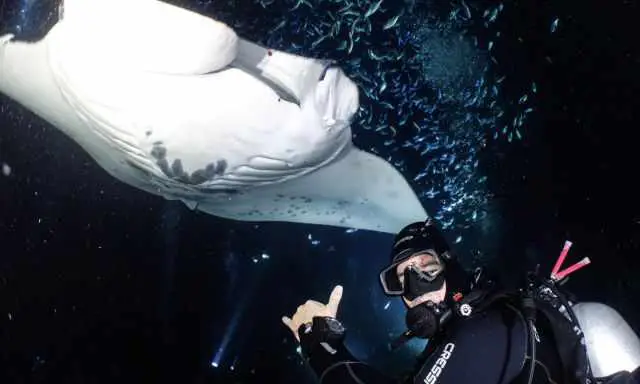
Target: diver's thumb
<point>334,300</point>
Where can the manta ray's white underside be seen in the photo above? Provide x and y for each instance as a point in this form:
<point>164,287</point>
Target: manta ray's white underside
<point>174,103</point>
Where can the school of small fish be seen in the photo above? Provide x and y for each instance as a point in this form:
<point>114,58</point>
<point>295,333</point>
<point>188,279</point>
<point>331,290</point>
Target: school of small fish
<point>429,93</point>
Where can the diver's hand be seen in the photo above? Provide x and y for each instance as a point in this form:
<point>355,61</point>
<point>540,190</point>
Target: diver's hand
<point>306,312</point>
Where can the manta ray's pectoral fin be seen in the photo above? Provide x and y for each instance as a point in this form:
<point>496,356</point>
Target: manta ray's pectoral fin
<point>147,35</point>
<point>359,190</point>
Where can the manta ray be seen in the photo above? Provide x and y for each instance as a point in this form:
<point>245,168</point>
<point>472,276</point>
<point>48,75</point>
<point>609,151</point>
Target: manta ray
<point>177,104</point>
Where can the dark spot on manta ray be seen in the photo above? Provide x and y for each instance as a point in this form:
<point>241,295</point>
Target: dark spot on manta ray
<point>159,152</point>
<point>177,172</point>
<point>222,166</point>
<point>164,167</point>
<point>177,169</point>
<point>210,171</point>
<point>148,133</point>
<point>214,169</point>
<point>199,176</point>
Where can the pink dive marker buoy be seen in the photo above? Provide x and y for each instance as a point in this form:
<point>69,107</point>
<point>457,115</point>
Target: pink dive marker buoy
<point>556,274</point>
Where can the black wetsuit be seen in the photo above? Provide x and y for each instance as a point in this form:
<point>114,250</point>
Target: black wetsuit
<point>488,347</point>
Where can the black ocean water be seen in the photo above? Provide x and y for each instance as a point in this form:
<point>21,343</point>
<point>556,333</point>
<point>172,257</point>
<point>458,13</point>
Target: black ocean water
<point>103,283</point>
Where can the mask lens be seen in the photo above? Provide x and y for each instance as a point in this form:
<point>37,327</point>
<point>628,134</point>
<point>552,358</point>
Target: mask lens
<point>390,282</point>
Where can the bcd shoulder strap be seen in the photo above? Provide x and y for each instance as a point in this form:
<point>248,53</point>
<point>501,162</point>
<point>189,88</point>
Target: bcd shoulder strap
<point>569,342</point>
<point>568,337</point>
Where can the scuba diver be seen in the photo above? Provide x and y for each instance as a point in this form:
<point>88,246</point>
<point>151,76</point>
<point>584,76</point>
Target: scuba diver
<point>478,331</point>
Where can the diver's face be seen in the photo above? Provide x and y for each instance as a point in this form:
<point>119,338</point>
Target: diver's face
<point>426,262</point>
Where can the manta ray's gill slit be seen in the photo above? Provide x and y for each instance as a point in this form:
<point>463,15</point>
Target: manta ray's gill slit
<point>431,91</point>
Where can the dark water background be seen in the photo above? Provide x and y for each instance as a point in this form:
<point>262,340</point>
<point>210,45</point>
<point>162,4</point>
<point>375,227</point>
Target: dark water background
<point>102,283</point>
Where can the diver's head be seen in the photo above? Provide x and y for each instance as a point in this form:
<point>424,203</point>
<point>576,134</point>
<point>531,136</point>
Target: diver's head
<point>422,268</point>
